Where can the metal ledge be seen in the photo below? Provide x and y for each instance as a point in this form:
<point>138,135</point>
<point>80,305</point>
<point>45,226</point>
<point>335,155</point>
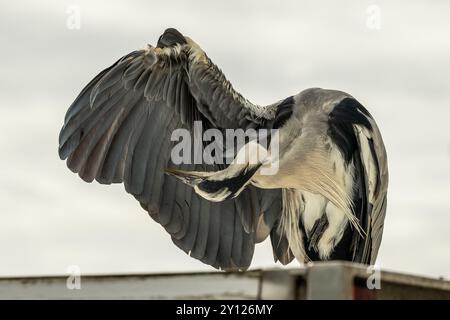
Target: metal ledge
<point>326,280</point>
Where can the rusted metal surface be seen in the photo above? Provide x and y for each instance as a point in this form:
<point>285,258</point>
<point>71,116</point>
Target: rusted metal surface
<point>329,280</point>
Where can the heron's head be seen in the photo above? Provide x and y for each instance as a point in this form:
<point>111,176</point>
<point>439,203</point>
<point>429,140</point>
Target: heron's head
<point>171,37</point>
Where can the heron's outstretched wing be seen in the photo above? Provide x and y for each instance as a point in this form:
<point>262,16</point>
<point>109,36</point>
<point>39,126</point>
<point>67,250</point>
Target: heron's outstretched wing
<point>119,130</point>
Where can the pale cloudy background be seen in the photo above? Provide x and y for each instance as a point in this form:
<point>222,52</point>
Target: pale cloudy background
<point>50,219</point>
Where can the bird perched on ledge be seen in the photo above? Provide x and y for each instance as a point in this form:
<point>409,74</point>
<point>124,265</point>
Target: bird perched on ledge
<point>326,201</point>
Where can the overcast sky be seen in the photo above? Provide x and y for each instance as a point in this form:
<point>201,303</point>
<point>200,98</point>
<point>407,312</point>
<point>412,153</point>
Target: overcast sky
<point>51,219</point>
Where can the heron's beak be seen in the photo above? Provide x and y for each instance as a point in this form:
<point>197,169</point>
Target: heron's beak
<point>191,178</point>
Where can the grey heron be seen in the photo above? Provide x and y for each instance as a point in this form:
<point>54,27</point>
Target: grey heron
<point>327,200</point>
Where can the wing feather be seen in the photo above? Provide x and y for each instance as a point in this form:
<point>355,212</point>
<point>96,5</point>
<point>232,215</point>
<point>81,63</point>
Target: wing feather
<point>118,130</point>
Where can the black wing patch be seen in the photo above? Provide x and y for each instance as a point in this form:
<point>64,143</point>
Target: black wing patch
<point>341,120</point>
